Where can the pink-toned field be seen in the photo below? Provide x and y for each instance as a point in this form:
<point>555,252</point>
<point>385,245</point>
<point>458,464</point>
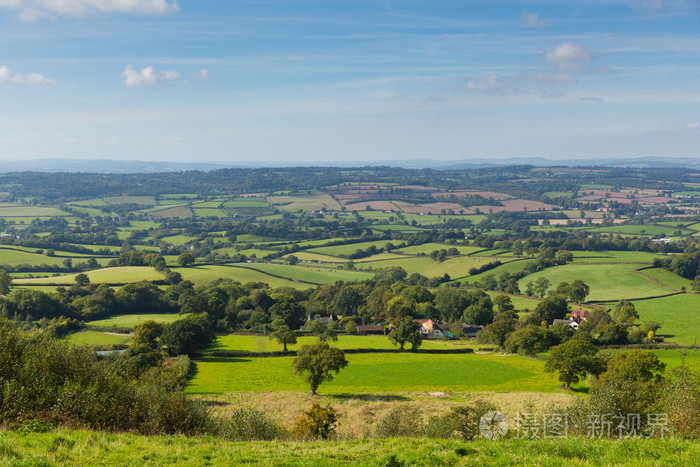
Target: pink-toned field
<point>483,194</point>
<point>432,208</point>
<point>516,205</point>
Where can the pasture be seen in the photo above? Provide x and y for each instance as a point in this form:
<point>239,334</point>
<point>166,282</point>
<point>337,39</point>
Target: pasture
<point>679,316</point>
<point>306,202</point>
<point>119,275</point>
<point>96,338</point>
<point>344,250</point>
<point>257,343</point>
<point>385,372</point>
<point>130,321</point>
<point>456,267</point>
<point>310,274</point>
<point>607,281</point>
<point>203,275</point>
<point>668,278</point>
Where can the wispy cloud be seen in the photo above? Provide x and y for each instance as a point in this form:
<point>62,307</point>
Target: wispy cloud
<point>693,125</point>
<point>533,20</point>
<point>32,10</point>
<point>6,76</point>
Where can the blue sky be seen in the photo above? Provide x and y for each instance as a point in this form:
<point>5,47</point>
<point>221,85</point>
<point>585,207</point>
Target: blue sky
<point>269,81</point>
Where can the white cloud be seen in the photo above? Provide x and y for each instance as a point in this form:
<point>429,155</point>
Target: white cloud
<point>147,77</point>
<point>32,10</point>
<point>6,76</point>
<point>533,20</point>
<point>693,125</point>
<point>567,52</point>
<point>204,74</point>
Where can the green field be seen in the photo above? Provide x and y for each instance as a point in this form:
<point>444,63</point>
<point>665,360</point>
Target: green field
<point>310,274</point>
<point>428,248</point>
<point>607,281</point>
<point>93,338</point>
<point>350,248</point>
<point>511,267</point>
<point>120,275</point>
<point>246,203</point>
<point>679,316</point>
<point>30,211</point>
<point>143,200</point>
<point>636,229</point>
<point>668,278</point>
<point>386,372</point>
<point>178,240</point>
<point>455,267</point>
<point>11,256</point>
<point>256,343</point>
<point>203,275</point>
<point>129,321</point>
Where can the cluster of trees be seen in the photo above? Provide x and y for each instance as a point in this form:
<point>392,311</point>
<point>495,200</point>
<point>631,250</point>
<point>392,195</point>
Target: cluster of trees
<point>535,331</point>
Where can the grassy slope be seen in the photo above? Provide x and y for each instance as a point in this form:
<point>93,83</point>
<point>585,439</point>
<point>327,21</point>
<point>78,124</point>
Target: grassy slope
<point>78,447</point>
<point>121,275</point>
<point>129,321</point>
<point>607,281</point>
<point>679,316</point>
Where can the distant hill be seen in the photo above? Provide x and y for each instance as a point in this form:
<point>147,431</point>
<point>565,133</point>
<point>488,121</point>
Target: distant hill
<point>133,166</point>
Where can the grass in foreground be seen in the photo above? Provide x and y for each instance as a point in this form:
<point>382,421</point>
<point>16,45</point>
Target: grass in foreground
<point>77,447</point>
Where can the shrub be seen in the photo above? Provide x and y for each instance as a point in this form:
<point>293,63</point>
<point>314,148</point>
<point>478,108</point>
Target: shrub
<point>460,422</point>
<point>55,381</point>
<point>403,420</point>
<point>247,424</point>
<point>317,422</point>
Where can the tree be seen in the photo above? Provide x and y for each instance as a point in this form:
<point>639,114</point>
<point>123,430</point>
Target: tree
<point>635,365</point>
<point>541,286</point>
<point>283,334</point>
<point>551,308</point>
<point>625,312</point>
<point>317,363</point>
<point>572,360</point>
<point>321,330</point>
<point>404,331</point>
<point>498,331</point>
<point>503,302</point>
<point>148,333</point>
<point>5,282</point>
<point>288,310</point>
<point>527,341</point>
<point>82,280</point>
<point>613,333</point>
<point>185,259</point>
<point>578,291</point>
<point>188,335</point>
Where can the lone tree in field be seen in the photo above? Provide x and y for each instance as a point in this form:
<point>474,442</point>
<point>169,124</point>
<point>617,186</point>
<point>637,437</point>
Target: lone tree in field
<point>317,362</point>
<point>283,334</point>
<point>404,331</point>
<point>185,259</point>
<point>573,360</point>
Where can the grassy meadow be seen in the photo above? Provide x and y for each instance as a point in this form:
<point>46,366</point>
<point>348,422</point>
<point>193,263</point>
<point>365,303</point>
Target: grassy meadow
<point>383,372</point>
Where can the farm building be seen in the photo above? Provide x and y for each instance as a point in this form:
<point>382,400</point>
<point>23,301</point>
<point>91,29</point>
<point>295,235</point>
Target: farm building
<point>369,329</point>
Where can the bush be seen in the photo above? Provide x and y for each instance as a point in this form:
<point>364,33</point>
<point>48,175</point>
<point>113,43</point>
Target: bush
<point>247,424</point>
<point>58,382</point>
<point>460,422</point>
<point>403,420</point>
<point>317,422</point>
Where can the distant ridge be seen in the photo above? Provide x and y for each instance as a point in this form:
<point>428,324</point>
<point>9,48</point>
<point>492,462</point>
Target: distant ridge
<point>133,166</point>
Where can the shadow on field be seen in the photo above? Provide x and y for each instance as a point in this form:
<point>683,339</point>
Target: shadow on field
<point>371,397</point>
